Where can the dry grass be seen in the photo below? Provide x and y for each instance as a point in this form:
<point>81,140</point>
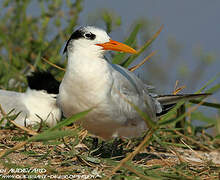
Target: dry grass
<point>83,155</point>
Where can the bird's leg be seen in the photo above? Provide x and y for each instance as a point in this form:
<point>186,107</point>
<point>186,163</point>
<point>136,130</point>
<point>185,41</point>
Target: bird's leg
<point>116,149</point>
<point>95,143</point>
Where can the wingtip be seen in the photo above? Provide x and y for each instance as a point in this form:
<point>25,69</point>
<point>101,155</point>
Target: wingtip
<point>169,99</point>
<point>203,94</point>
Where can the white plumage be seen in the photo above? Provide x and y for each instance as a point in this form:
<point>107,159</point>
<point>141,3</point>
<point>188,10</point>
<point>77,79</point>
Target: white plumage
<point>33,104</point>
<point>92,82</point>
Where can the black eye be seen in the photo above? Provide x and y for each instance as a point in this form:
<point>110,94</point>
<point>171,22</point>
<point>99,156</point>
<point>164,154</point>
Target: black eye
<point>90,36</point>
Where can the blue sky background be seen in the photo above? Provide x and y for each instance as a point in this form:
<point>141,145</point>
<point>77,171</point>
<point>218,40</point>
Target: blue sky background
<point>194,24</point>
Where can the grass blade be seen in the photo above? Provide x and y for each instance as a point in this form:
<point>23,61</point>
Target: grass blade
<point>142,62</point>
<point>214,89</point>
<point>208,104</point>
<point>201,117</point>
<point>51,135</point>
<point>118,58</point>
<point>142,49</point>
<point>166,119</point>
<point>208,83</point>
<point>70,120</point>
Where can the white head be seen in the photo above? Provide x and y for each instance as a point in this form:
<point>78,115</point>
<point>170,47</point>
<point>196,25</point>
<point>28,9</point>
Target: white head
<point>94,39</point>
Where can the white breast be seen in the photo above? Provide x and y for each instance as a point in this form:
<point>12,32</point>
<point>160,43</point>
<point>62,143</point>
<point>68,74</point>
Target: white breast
<point>85,84</point>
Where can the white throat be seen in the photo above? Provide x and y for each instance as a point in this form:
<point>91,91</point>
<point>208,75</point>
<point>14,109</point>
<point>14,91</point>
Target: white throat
<point>86,79</point>
<point>83,54</point>
<point>86,63</point>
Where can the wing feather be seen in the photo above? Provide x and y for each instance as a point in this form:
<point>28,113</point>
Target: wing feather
<point>135,91</point>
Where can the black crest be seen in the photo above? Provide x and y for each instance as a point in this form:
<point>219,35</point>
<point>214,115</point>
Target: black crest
<point>43,80</point>
<point>78,34</point>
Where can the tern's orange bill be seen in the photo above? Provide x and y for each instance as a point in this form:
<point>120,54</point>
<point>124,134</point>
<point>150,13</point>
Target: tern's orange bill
<point>117,46</point>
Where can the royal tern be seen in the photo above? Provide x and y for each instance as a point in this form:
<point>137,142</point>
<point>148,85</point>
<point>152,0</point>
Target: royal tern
<point>38,102</point>
<point>92,82</point>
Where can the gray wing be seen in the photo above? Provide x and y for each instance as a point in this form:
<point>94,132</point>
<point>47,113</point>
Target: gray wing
<point>10,100</point>
<point>134,90</point>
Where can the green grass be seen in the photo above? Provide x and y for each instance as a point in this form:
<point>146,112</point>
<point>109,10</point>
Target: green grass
<point>161,153</point>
